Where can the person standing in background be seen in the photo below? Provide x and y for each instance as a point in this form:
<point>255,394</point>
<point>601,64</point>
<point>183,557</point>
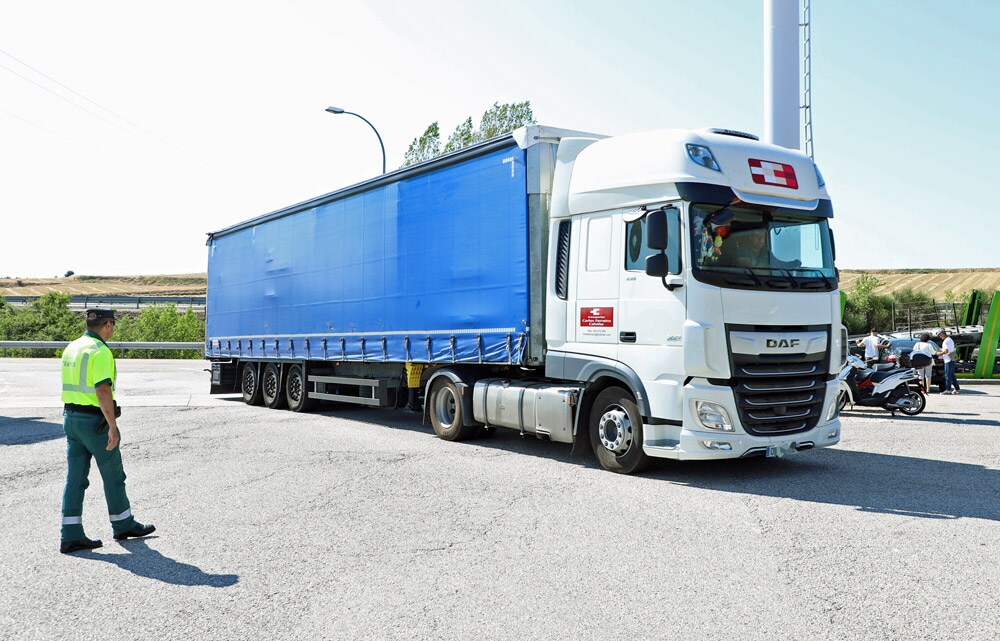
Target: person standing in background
<point>950,359</point>
<point>872,345</point>
<point>924,346</point>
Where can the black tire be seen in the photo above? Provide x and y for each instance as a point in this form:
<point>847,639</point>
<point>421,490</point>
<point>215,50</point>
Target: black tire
<point>270,388</point>
<point>615,428</point>
<point>444,405</point>
<point>250,384</point>
<point>297,390</point>
<point>920,402</point>
<point>941,388</point>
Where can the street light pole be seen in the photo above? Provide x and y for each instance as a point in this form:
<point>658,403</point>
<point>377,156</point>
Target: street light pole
<point>338,110</point>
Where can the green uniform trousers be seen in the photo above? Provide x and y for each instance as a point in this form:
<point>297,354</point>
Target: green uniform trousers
<point>83,442</point>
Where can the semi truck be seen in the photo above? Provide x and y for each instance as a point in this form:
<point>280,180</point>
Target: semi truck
<point>668,294</point>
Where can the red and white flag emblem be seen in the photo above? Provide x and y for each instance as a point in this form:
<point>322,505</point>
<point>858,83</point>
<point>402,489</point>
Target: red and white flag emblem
<point>765,172</point>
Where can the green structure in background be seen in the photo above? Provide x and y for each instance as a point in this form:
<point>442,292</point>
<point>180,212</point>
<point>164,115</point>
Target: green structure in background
<point>972,308</point>
<point>991,335</point>
<point>970,316</point>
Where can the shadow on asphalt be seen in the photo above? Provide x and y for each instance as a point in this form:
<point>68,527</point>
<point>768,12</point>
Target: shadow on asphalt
<point>144,561</point>
<point>924,417</point>
<point>871,482</point>
<point>26,431</point>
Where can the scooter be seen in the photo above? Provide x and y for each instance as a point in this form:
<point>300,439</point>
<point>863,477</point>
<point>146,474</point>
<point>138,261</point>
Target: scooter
<point>886,386</point>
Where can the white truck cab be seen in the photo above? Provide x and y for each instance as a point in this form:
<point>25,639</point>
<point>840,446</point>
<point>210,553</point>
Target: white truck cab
<point>699,267</point>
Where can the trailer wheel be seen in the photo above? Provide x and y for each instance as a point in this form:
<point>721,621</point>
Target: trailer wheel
<point>297,391</point>
<point>616,432</point>
<point>250,385</point>
<point>270,383</point>
<point>445,405</point>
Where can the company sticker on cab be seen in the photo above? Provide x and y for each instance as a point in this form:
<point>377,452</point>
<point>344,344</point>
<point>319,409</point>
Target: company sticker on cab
<point>597,317</point>
<point>597,322</point>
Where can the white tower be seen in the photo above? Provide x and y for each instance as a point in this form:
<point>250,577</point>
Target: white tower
<point>781,73</point>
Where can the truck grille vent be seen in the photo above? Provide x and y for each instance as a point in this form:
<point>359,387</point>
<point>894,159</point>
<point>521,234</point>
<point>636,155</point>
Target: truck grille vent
<point>779,398</point>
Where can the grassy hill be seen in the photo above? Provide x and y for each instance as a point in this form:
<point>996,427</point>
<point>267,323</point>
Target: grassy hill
<point>165,285</point>
<point>934,282</point>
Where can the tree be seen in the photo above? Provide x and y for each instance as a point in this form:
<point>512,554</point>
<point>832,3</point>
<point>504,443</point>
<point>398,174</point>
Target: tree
<point>865,309</point>
<point>501,119</point>
<point>69,273</point>
<point>496,121</point>
<point>463,136</point>
<point>424,147</point>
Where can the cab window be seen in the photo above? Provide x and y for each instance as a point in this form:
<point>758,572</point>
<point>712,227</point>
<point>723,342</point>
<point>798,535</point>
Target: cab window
<point>636,250</point>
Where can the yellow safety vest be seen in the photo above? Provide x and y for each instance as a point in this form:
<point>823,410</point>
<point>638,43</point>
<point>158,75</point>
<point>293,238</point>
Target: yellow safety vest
<point>86,362</point>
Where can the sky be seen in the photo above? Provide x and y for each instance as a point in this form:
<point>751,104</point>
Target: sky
<point>130,130</point>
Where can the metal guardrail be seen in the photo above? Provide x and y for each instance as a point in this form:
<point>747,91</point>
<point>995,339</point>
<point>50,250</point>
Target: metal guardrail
<point>94,300</point>
<point>114,345</point>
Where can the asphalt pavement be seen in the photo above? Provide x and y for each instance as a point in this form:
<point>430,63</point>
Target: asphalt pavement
<point>354,523</point>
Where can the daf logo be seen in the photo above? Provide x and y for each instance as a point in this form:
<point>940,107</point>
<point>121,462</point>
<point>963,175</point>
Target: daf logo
<point>782,342</point>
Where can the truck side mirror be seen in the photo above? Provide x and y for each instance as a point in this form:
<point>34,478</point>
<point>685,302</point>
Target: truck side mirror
<point>656,265</point>
<point>656,231</point>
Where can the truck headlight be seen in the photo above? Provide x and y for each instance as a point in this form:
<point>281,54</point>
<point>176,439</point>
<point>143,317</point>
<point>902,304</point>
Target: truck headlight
<point>703,156</point>
<point>713,416</point>
<point>832,412</point>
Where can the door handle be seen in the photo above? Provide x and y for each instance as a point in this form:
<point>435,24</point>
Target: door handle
<point>626,337</point>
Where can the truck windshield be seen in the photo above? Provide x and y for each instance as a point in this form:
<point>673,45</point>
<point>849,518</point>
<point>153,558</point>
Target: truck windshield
<point>761,247</point>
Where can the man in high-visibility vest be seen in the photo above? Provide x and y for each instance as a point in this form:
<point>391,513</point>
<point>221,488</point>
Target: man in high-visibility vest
<point>88,391</point>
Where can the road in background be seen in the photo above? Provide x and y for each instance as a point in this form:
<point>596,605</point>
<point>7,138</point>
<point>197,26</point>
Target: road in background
<point>359,524</point>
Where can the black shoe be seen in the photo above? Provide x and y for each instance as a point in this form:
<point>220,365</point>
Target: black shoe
<point>75,546</point>
<point>139,530</point>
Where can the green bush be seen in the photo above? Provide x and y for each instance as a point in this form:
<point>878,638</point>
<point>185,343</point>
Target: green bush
<point>47,319</point>
<point>161,324</point>
<point>50,319</point>
<point>865,309</point>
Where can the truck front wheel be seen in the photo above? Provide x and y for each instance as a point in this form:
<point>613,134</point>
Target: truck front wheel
<point>270,382</point>
<point>616,432</point>
<point>250,384</point>
<point>445,405</point>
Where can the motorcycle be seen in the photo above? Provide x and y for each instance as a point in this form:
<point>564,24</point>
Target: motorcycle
<point>886,386</point>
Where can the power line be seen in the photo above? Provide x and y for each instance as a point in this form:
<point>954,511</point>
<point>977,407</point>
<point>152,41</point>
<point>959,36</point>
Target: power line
<point>57,134</point>
<point>96,115</point>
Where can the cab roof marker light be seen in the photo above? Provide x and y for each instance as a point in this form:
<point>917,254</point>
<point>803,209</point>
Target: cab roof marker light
<point>819,176</point>
<point>733,132</point>
<point>702,155</point>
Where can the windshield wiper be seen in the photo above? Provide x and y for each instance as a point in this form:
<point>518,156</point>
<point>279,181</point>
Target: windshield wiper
<point>821,275</point>
<point>792,278</point>
<point>754,276</point>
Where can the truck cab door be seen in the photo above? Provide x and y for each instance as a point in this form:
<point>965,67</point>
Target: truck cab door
<point>651,316</point>
<point>594,322</point>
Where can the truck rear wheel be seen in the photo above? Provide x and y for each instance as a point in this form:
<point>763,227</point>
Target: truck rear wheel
<point>616,432</point>
<point>270,383</point>
<point>445,405</point>
<point>297,390</point>
<point>250,385</point>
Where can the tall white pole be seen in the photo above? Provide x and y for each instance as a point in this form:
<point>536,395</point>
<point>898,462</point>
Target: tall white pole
<point>781,72</point>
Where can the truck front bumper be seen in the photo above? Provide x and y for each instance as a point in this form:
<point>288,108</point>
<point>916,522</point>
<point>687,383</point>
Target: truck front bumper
<point>692,441</point>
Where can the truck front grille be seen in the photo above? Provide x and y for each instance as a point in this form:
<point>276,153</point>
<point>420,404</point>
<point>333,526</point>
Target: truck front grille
<point>779,397</point>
